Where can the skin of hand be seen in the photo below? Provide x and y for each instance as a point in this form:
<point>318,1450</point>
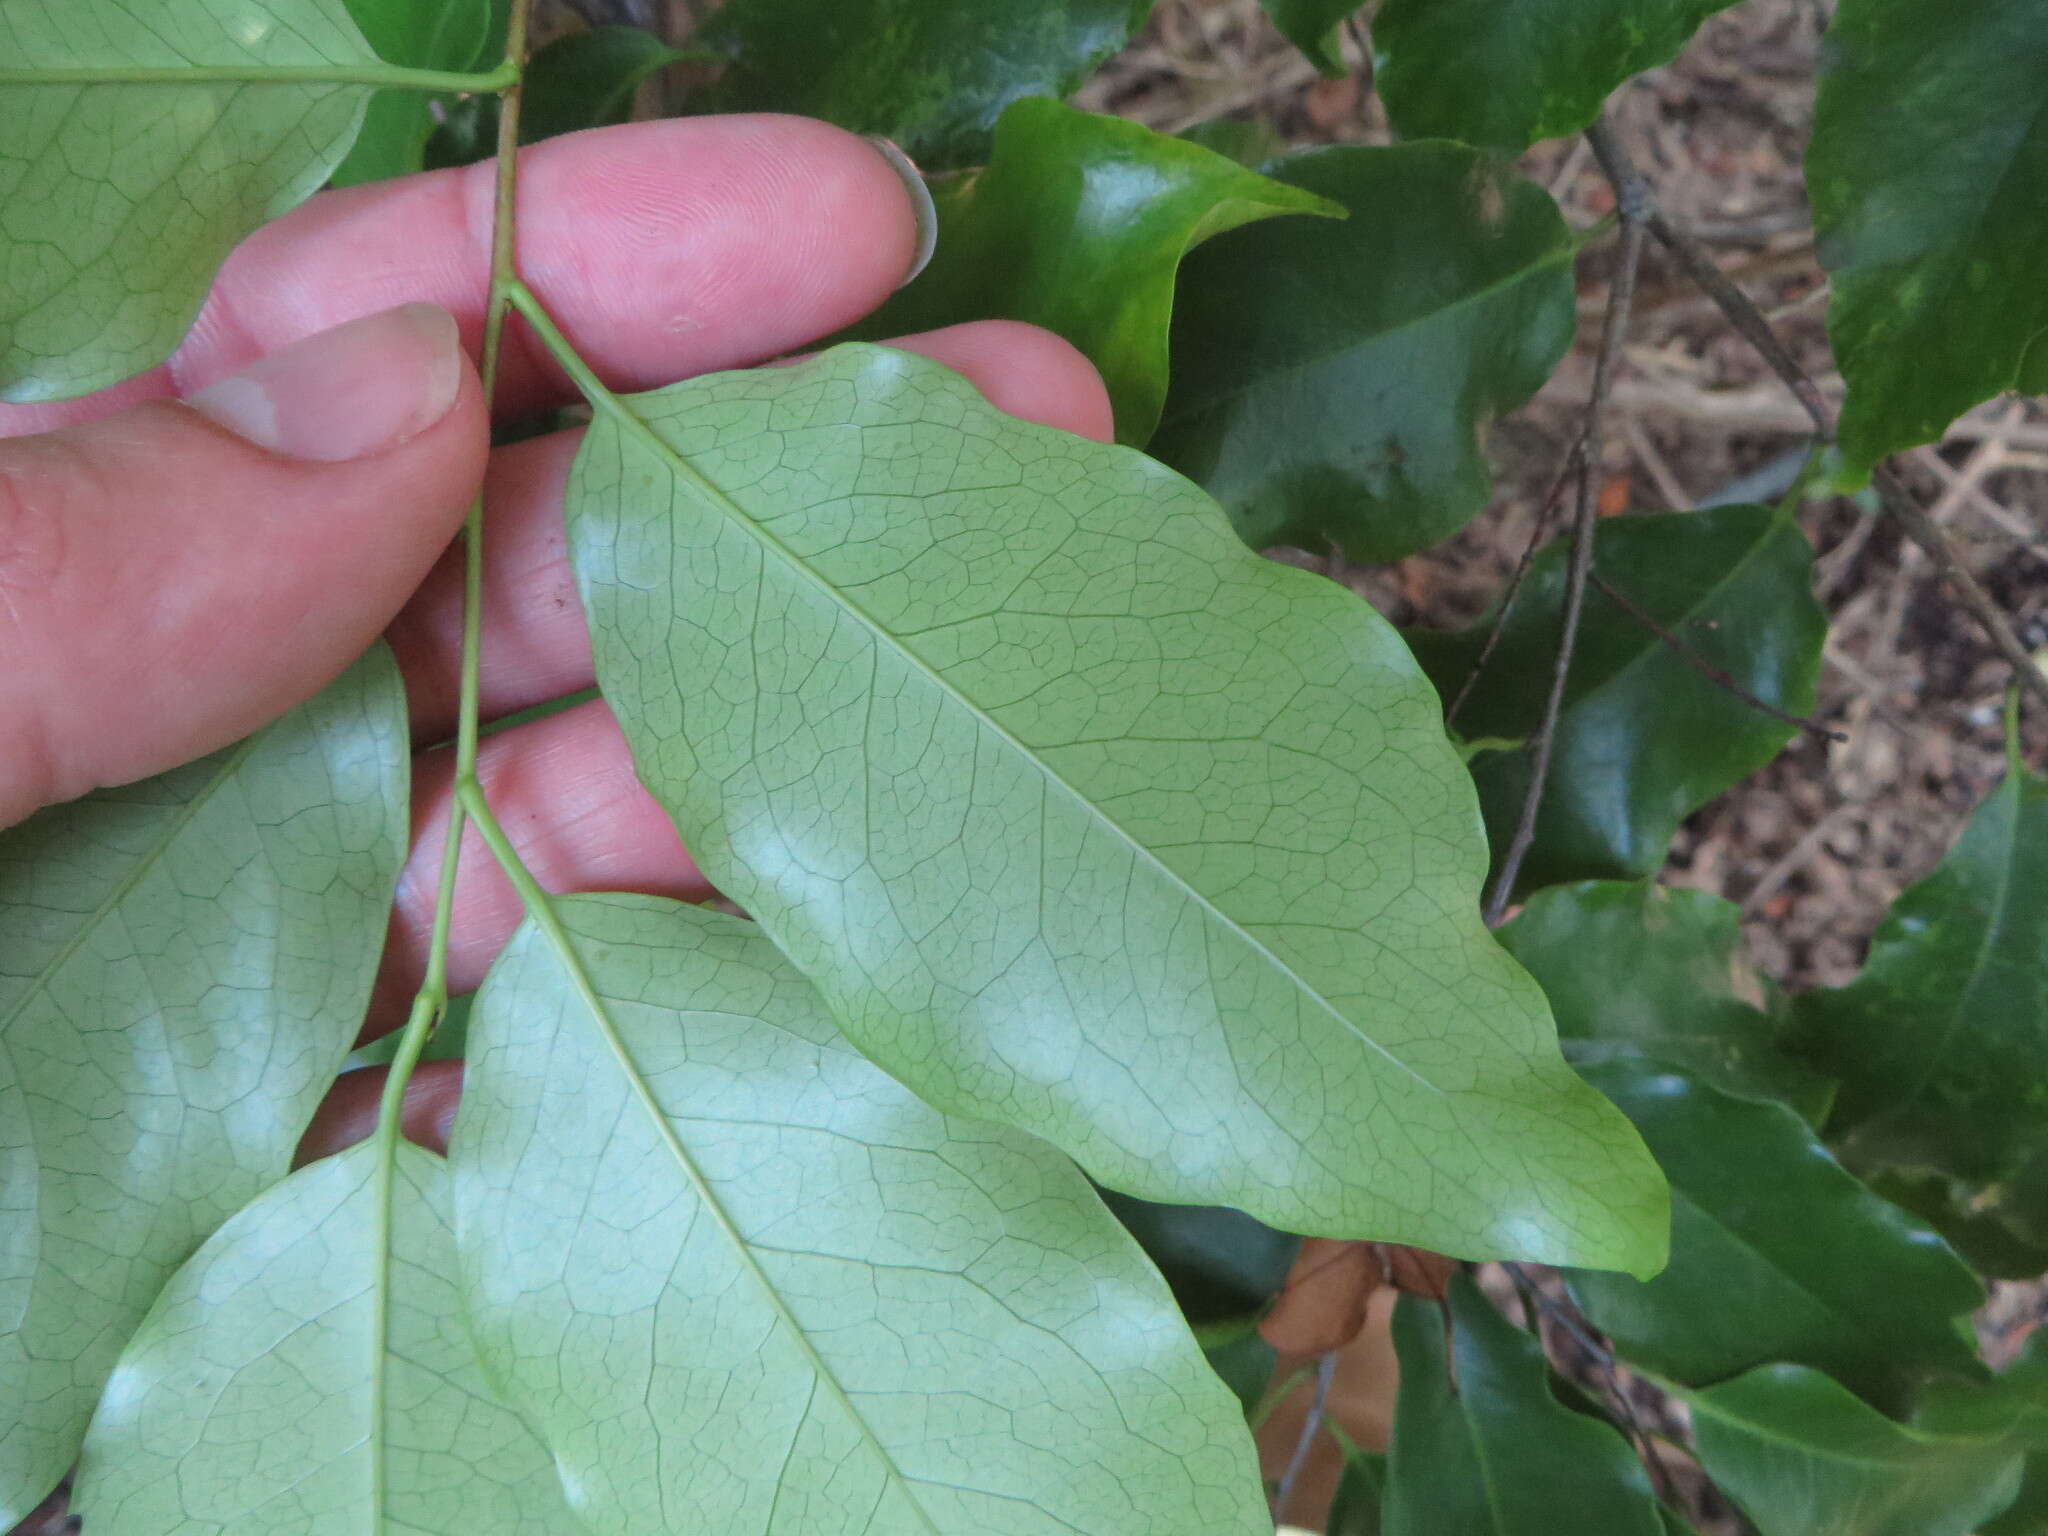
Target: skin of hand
<point>193,552</point>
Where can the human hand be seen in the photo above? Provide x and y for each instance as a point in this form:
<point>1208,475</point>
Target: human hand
<point>175,571</point>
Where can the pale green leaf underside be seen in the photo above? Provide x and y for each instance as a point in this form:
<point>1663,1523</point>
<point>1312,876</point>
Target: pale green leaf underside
<point>1083,817</point>
<point>119,200</point>
<point>183,964</point>
<point>261,1395</point>
<point>743,1282</point>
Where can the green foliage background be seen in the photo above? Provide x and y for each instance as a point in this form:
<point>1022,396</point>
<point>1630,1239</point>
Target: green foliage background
<point>1079,839</point>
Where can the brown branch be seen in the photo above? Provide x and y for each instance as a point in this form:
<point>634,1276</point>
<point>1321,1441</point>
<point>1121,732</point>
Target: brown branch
<point>1741,312</point>
<point>1692,657</point>
<point>1620,298</point>
<point>1507,603</point>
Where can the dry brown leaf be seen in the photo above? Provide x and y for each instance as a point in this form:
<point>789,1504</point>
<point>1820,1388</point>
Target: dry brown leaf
<point>1322,1305</point>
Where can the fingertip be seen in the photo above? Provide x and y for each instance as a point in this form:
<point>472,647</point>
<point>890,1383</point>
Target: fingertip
<point>647,238</point>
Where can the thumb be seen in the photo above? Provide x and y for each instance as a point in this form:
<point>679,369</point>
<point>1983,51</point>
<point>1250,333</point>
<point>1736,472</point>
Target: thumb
<point>176,575</point>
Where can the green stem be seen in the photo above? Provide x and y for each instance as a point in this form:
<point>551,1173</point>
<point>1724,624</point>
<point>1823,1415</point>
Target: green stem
<point>384,76</point>
<point>431,1001</point>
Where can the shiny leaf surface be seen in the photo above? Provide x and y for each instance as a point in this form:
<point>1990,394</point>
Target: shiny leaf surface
<point>587,80</point>
<point>1330,380</point>
<point>310,1370</point>
<point>1941,1042</point>
<point>118,200</point>
<point>1083,817</point>
<point>728,1267</point>
<point>1482,1447</point>
<point>1311,25</point>
<point>1631,965</point>
<point>1929,177</point>
<point>1777,1253</point>
<point>1804,1458</point>
<point>420,34</point>
<point>933,75</point>
<point>1505,73</point>
<point>183,965</point>
<point>1645,738</point>
<point>1078,224</point>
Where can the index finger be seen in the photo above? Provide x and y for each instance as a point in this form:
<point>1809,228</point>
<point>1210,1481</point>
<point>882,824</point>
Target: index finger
<point>663,249</point>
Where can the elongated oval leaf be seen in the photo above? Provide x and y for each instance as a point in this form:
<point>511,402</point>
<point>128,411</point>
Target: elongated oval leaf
<point>1929,176</point>
<point>1330,380</point>
<point>1805,1458</point>
<point>1505,73</point>
<point>269,1390</point>
<point>1942,1042</point>
<point>183,964</point>
<point>119,199</point>
<point>1078,224</point>
<point>1482,1447</point>
<point>1081,816</point>
<point>728,1267</point>
<point>933,75</point>
<point>1646,738</point>
<point>1634,966</point>
<point>1777,1253</point>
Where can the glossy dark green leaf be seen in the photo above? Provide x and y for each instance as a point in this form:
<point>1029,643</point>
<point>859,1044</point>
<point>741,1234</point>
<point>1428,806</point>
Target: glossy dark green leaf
<point>587,80</point>
<point>1777,1253</point>
<point>1312,26</point>
<point>120,197</point>
<point>1243,1360</point>
<point>1083,817</point>
<point>1645,738</point>
<point>1636,966</point>
<point>1929,177</point>
<point>2002,1237</point>
<point>310,1370</point>
<point>1331,380</point>
<point>933,75</point>
<point>1941,1042</point>
<point>1803,1457</point>
<point>728,1267</point>
<point>1078,224</point>
<point>2023,1386</point>
<point>1221,1263</point>
<point>420,34</point>
<point>1505,73</point>
<point>1359,1505</point>
<point>1481,1446</point>
<point>183,965</point>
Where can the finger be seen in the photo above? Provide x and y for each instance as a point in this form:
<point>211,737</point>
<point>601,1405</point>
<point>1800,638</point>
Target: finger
<point>663,249</point>
<point>191,570</point>
<point>535,646</point>
<point>349,1112</point>
<point>564,790</point>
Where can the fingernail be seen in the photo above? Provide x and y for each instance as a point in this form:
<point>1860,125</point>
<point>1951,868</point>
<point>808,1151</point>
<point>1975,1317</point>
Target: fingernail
<point>347,393</point>
<point>921,204</point>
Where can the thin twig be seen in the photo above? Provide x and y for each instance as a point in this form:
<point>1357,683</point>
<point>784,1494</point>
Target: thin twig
<point>1326,1370</point>
<point>1507,603</point>
<point>1620,298</point>
<point>1687,653</point>
<point>1567,1318</point>
<point>1747,319</point>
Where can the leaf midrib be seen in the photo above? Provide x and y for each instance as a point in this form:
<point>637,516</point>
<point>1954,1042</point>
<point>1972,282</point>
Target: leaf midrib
<point>620,412</point>
<point>595,1004</point>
